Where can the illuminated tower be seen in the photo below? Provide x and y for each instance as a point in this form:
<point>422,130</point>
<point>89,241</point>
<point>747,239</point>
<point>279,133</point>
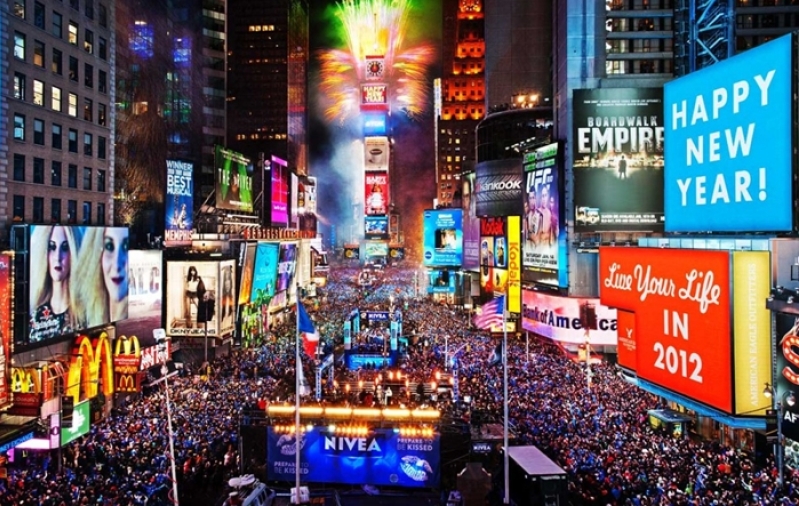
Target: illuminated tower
<point>462,95</point>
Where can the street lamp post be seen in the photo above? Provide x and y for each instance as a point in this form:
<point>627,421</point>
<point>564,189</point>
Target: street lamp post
<point>779,450</point>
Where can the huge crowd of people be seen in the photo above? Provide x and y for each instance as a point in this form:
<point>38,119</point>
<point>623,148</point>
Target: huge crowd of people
<point>599,433</point>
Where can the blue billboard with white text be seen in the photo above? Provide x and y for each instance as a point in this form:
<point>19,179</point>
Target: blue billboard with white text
<point>179,203</point>
<point>443,237</point>
<point>729,142</point>
<point>264,277</point>
<point>379,457</point>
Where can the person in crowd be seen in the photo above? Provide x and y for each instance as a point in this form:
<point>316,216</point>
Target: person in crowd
<point>54,254</point>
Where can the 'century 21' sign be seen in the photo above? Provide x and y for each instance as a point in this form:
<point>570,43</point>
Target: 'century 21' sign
<point>681,299</point>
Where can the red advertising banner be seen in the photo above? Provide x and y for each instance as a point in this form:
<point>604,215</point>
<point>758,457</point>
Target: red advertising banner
<point>625,327</point>
<point>375,192</point>
<point>374,96</point>
<point>681,301</point>
<point>5,328</point>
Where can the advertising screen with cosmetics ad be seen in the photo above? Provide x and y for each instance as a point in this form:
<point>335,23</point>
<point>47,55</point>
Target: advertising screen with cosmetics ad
<point>144,299</point>
<point>730,144</point>
<point>379,457</point>
<point>233,181</point>
<point>443,237</point>
<point>79,279</point>
<point>179,203</point>
<point>200,296</point>
<point>618,159</point>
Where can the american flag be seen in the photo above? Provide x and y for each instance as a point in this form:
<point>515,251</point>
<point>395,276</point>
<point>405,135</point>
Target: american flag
<point>491,314</point>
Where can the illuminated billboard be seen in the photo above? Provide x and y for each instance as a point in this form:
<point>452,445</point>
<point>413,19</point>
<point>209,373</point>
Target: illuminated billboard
<point>471,224</point>
<point>381,457</point>
<point>493,258</point>
<point>375,153</point>
<point>514,264</point>
<point>498,188</point>
<point>200,295</point>
<point>294,195</point>
<point>78,279</point>
<point>730,140</point>
<point>5,328</point>
<point>681,300</point>
<point>374,249</point>
<point>233,181</point>
<point>618,159</point>
<point>376,227</point>
<point>247,272</point>
<point>544,247</point>
<point>443,237</point>
<point>264,282</point>
<point>559,318</point>
<point>374,96</point>
<point>786,383</point>
<point>144,298</point>
<point>441,281</point>
<point>279,213</point>
<point>286,265</point>
<point>79,425</point>
<point>309,200</point>
<point>374,123</point>
<point>376,198</point>
<point>179,203</point>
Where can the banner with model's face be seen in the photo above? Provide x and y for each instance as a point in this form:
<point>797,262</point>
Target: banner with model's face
<point>200,294</point>
<point>179,203</point>
<point>78,279</point>
<point>375,192</point>
<point>233,181</point>
<point>144,299</point>
<point>618,159</point>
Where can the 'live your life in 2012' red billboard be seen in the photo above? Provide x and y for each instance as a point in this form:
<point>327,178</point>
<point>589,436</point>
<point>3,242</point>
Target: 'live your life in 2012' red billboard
<point>681,302</point>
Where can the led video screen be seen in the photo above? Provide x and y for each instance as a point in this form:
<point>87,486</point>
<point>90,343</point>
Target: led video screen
<point>443,237</point>
<point>233,181</point>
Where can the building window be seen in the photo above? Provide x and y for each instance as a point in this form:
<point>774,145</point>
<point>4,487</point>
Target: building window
<point>72,105</point>
<point>38,131</point>
<point>88,109</point>
<point>56,66</point>
<point>38,209</point>
<point>73,33</point>
<point>38,15</point>
<point>101,118</point>
<point>72,211</point>
<point>72,176</point>
<point>38,92</point>
<point>73,69</point>
<point>102,81</point>
<point>19,127</point>
<point>102,15</point>
<point>88,144</point>
<point>55,173</point>
<point>57,29</point>
<point>38,53</point>
<point>55,98</point>
<point>103,48</point>
<point>87,178</point>
<point>100,180</point>
<point>88,75</point>
<point>19,167</point>
<point>89,6</point>
<point>100,213</point>
<point>19,8</point>
<point>55,210</point>
<point>87,213</point>
<point>19,86</point>
<point>56,136</point>
<point>101,147</point>
<point>88,41</point>
<point>19,45</point>
<point>38,170</point>
<point>72,137</point>
<point>19,207</point>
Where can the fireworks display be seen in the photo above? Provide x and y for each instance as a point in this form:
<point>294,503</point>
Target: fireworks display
<point>374,27</point>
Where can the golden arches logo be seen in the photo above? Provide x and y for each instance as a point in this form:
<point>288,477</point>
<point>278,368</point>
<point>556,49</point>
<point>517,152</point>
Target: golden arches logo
<point>91,364</point>
<point>25,380</point>
<point>126,383</point>
<point>127,346</point>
